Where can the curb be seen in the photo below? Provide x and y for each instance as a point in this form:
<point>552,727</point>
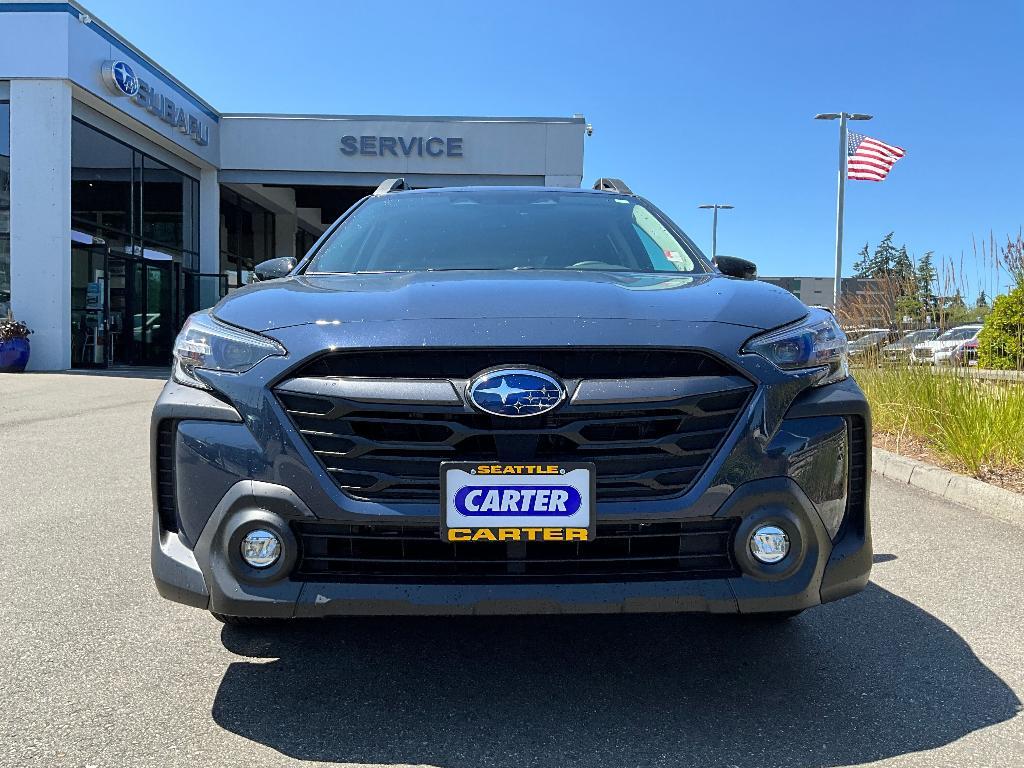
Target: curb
<point>959,489</point>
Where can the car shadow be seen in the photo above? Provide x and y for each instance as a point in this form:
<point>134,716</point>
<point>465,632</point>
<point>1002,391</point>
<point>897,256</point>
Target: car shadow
<point>864,679</point>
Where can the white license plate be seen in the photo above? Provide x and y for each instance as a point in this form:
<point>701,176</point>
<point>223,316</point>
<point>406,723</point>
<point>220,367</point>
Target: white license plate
<point>517,502</point>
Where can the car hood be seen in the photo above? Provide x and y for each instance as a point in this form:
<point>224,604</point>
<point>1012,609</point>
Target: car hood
<point>477,295</point>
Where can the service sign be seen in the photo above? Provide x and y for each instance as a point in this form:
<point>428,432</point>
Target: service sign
<point>517,502</point>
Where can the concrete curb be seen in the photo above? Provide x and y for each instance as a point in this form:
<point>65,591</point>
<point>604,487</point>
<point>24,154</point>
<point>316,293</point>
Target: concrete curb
<point>959,489</point>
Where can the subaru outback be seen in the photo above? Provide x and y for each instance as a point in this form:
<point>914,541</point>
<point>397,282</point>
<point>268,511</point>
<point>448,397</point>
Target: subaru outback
<point>509,400</point>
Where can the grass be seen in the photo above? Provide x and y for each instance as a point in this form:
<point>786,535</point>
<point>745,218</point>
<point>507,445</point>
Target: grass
<point>973,423</point>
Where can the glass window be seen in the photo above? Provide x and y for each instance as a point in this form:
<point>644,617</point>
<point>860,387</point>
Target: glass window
<point>147,215</point>
<point>5,208</point>
<point>102,177</point>
<point>304,240</point>
<point>126,197</point>
<point>246,236</point>
<point>960,334</point>
<point>163,203</point>
<point>549,229</point>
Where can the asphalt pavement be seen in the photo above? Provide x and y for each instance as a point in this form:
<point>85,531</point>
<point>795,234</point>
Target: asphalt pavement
<point>924,668</point>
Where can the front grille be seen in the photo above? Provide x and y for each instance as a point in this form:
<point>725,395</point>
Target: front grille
<point>621,552</point>
<point>166,504</point>
<point>390,452</point>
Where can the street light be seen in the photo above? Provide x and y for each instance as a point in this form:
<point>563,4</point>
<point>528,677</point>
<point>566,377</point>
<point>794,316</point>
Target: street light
<point>842,117</point>
<point>714,224</point>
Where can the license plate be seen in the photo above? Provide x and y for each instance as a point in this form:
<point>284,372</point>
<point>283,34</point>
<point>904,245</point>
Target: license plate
<point>517,502</point>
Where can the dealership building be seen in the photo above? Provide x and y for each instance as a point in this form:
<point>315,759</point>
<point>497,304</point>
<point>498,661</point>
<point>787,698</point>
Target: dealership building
<point>127,201</point>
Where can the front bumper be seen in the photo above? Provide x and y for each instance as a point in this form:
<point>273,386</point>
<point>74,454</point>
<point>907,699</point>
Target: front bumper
<point>224,481</point>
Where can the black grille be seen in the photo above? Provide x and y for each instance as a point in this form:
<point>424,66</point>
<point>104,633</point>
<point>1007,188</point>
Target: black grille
<point>621,551</point>
<point>166,504</point>
<point>640,452</point>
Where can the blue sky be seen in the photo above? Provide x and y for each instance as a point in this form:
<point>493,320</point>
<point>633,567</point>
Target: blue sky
<point>690,102</point>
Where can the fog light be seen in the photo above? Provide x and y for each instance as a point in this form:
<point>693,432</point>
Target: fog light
<point>769,544</point>
<point>261,548</point>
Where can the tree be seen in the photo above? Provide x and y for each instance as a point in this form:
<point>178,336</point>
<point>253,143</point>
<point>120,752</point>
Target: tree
<point>902,266</point>
<point>884,259</point>
<point>862,266</point>
<point>926,277</point>
<point>982,300</point>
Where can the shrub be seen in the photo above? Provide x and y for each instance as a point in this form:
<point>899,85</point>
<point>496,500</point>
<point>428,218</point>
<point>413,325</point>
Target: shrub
<point>1001,341</point>
<point>974,422</point>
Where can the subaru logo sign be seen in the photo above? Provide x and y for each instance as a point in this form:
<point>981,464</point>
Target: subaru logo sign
<point>120,78</point>
<point>515,392</point>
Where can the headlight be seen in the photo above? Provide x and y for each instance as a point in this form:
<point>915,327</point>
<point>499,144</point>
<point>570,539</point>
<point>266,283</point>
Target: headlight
<point>209,345</point>
<point>817,342</point>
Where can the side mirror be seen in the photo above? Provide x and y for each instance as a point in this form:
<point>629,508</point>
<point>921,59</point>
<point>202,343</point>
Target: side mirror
<point>733,266</point>
<point>271,269</point>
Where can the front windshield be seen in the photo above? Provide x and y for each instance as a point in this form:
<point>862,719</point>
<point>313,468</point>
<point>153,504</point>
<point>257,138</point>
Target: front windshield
<point>958,334</point>
<point>504,230</point>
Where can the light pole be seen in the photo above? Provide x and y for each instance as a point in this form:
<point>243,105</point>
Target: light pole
<point>842,117</point>
<point>714,224</point>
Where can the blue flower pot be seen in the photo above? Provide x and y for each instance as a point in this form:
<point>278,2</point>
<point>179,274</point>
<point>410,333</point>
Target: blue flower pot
<point>13,355</point>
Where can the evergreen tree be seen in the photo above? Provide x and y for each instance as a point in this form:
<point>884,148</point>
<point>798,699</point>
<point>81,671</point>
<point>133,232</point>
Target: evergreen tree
<point>862,267</point>
<point>926,277</point>
<point>884,258</point>
<point>902,266</point>
<point>982,301</point>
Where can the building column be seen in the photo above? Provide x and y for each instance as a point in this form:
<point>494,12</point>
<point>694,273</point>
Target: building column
<point>41,217</point>
<point>209,222</point>
<point>285,226</point>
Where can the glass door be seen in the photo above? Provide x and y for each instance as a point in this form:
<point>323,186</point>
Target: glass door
<point>123,289</point>
<point>154,324</point>
<point>89,303</point>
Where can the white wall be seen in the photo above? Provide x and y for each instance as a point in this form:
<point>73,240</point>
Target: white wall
<point>491,148</point>
<point>41,217</point>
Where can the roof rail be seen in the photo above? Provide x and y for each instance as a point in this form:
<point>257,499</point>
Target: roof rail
<point>390,185</point>
<point>612,185</point>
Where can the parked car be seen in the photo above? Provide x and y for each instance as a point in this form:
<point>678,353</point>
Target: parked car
<point>940,350</point>
<point>899,351</point>
<point>966,353</point>
<point>867,348</point>
<point>855,334</point>
<point>509,400</point>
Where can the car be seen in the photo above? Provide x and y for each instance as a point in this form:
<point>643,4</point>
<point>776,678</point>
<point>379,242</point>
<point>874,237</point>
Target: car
<point>899,351</point>
<point>490,400</point>
<point>866,348</point>
<point>939,351</point>
<point>965,354</point>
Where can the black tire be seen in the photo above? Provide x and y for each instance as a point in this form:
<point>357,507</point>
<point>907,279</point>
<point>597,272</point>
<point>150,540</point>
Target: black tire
<point>243,621</point>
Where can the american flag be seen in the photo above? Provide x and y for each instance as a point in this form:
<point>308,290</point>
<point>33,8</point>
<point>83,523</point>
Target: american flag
<point>870,159</point>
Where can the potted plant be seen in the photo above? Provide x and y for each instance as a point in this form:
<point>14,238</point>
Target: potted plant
<point>14,346</point>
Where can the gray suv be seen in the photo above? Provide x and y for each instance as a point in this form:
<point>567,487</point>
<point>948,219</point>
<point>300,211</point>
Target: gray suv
<point>509,400</point>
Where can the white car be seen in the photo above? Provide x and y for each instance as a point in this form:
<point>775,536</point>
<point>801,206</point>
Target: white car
<point>939,351</point>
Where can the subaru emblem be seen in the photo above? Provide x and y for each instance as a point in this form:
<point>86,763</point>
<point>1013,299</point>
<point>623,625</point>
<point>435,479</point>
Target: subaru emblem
<point>515,392</point>
<point>120,78</point>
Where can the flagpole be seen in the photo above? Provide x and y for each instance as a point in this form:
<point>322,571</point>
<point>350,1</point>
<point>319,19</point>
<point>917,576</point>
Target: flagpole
<point>837,289</point>
<point>842,117</point>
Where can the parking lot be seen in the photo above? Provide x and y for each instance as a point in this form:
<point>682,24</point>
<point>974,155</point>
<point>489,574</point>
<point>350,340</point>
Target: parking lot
<point>922,669</point>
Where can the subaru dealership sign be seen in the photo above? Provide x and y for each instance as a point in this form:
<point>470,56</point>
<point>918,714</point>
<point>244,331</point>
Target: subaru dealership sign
<point>121,79</point>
